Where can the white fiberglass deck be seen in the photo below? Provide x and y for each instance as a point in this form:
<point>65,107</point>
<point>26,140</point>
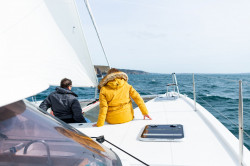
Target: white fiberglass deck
<point>201,146</point>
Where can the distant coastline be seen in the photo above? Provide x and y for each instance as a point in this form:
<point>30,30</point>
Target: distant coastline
<point>128,71</point>
<point>102,70</point>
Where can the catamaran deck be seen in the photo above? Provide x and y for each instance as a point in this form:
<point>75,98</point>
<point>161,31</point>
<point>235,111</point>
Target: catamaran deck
<point>206,141</point>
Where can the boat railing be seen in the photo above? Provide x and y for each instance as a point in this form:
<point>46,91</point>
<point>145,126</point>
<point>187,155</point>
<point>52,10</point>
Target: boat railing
<point>241,83</point>
<point>174,84</point>
<point>240,115</point>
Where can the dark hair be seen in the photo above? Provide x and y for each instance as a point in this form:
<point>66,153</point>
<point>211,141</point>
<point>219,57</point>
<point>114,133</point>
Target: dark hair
<point>113,70</point>
<point>65,83</point>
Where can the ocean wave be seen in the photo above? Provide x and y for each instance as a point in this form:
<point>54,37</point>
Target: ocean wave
<point>222,96</point>
<point>216,97</point>
<point>153,82</point>
<point>226,98</point>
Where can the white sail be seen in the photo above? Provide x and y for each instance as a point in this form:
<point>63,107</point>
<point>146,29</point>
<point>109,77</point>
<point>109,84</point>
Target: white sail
<point>44,38</point>
<point>18,88</point>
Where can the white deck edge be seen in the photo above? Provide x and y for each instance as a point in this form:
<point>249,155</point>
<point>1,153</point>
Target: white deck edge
<point>226,138</point>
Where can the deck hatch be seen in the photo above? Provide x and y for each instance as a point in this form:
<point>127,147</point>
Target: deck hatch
<point>168,132</point>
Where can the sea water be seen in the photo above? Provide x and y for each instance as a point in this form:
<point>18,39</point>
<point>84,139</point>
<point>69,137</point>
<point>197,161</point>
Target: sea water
<point>218,93</point>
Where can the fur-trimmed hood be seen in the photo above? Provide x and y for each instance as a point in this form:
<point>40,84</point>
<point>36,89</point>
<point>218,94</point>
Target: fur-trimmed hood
<point>111,77</point>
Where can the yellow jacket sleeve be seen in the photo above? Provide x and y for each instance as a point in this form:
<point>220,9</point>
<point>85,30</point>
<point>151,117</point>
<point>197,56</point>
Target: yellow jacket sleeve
<point>138,100</point>
<point>103,110</point>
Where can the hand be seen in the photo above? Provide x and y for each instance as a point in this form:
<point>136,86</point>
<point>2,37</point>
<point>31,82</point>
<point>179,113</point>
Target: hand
<point>94,125</point>
<point>147,117</point>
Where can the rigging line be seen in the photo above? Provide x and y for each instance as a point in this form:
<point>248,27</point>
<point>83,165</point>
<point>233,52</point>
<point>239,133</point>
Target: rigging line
<point>246,83</point>
<point>236,125</point>
<point>246,134</point>
<point>219,112</point>
<point>223,114</point>
<point>93,22</point>
<point>246,113</point>
<point>82,38</point>
<point>101,139</point>
<point>236,81</point>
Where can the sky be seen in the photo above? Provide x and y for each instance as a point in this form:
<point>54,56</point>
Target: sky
<point>165,36</point>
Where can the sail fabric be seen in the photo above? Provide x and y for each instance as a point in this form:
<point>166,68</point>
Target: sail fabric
<point>20,87</point>
<point>44,38</point>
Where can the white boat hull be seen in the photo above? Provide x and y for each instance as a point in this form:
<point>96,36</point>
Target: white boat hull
<point>206,141</point>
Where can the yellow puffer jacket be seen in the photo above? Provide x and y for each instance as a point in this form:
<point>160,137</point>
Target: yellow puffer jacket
<point>115,103</point>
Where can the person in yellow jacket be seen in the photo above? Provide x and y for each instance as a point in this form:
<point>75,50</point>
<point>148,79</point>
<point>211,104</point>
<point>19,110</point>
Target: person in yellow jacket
<point>115,102</point>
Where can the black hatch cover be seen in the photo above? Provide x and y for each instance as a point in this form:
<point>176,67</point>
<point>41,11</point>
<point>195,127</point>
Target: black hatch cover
<point>162,132</point>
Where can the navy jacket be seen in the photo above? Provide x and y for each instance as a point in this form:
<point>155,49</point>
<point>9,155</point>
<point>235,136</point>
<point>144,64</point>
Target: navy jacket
<point>64,105</point>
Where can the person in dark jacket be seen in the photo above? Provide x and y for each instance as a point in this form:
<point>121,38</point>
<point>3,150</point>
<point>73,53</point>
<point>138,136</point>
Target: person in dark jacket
<point>64,103</point>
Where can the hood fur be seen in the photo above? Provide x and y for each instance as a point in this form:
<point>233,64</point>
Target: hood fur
<point>111,77</point>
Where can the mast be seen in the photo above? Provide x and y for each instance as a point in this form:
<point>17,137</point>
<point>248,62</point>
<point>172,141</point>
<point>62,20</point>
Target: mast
<point>97,32</point>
